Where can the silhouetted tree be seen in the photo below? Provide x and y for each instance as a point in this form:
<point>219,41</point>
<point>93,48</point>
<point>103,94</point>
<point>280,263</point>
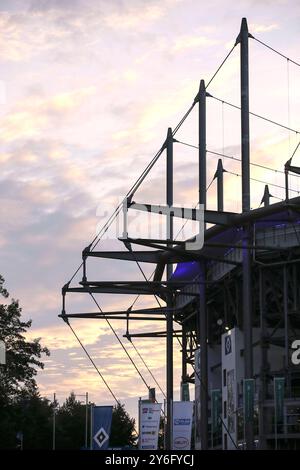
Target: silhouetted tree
<point>33,417</point>
<point>70,424</point>
<point>122,428</point>
<point>17,377</point>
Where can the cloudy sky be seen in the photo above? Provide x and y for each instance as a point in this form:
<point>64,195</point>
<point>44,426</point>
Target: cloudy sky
<point>88,89</point>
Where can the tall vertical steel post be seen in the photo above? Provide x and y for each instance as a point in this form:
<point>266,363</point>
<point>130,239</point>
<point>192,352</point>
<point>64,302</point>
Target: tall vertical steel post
<point>245,153</point>
<point>203,359</point>
<point>54,423</point>
<point>266,196</point>
<point>286,325</point>
<point>263,361</point>
<point>86,419</point>
<point>220,188</point>
<point>202,143</point>
<point>245,132</point>
<point>169,348</point>
<point>184,353</point>
<point>202,288</point>
<point>91,426</point>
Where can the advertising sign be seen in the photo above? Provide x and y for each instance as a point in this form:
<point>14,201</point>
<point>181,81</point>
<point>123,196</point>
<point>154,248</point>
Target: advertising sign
<point>182,425</point>
<point>149,425</point>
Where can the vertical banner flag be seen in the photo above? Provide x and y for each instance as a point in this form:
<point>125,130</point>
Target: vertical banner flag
<point>248,399</point>
<point>279,398</point>
<point>101,418</point>
<point>149,414</point>
<point>216,410</point>
<point>182,425</point>
<point>185,392</point>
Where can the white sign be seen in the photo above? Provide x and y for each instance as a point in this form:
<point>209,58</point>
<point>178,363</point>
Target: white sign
<point>2,353</point>
<point>149,425</point>
<point>182,425</point>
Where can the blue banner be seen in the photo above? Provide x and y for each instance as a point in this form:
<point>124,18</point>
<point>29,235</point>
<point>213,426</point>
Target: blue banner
<point>216,410</point>
<point>102,417</point>
<point>248,400</point>
<point>279,399</point>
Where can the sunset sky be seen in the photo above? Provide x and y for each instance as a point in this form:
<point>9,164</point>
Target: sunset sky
<point>88,89</point>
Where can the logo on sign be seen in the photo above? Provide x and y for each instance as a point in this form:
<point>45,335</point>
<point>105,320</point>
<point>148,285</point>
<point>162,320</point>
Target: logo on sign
<point>182,422</point>
<point>101,437</point>
<point>228,345</point>
<point>181,442</point>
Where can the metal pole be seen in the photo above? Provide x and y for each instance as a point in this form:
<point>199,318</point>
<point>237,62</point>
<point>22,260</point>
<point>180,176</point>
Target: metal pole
<point>91,428</point>
<point>140,422</point>
<point>169,348</point>
<point>263,360</point>
<point>286,324</point>
<point>285,307</point>
<point>211,419</point>
<point>275,417</point>
<point>171,435</point>
<point>184,347</point>
<point>54,423</point>
<point>165,423</point>
<point>202,144</point>
<point>245,148</point>
<point>286,174</point>
<point>247,324</point>
<point>86,418</point>
<point>220,190</point>
<point>202,302</point>
<point>203,360</point>
<point>245,134</point>
<point>266,196</point>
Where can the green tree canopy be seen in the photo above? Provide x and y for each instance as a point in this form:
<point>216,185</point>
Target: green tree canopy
<point>24,412</point>
<point>122,428</point>
<point>22,356</point>
<point>70,424</point>
<point>18,389</point>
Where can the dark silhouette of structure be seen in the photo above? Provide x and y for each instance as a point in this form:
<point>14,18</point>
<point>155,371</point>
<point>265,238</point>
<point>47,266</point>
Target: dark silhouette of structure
<point>235,301</point>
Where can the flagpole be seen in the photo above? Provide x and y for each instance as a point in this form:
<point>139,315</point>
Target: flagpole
<point>211,418</point>
<point>165,424</point>
<point>91,424</point>
<point>171,428</point>
<point>275,405</point>
<point>54,423</point>
<point>139,423</point>
<point>86,418</point>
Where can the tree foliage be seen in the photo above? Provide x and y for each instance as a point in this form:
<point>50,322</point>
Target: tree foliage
<point>23,411</point>
<point>122,428</point>
<point>70,424</point>
<point>22,356</point>
<point>21,407</point>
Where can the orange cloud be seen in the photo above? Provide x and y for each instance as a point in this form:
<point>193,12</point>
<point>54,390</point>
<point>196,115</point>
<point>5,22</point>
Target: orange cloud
<point>33,114</point>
